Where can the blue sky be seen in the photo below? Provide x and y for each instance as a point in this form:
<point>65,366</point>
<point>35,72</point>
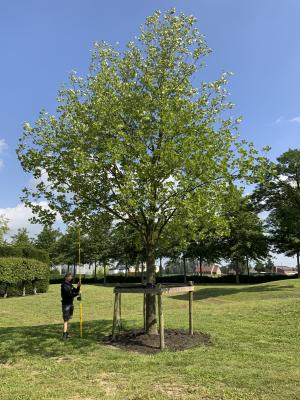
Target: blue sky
<point>42,41</point>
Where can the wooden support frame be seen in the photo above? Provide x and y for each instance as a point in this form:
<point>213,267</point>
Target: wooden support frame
<point>158,290</point>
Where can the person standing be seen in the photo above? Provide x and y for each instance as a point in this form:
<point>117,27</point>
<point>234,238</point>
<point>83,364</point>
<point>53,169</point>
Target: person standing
<point>68,292</point>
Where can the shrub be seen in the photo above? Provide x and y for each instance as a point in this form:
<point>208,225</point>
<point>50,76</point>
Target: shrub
<point>22,275</point>
<point>25,252</point>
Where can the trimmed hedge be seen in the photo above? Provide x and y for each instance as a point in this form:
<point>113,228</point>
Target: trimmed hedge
<point>230,279</point>
<point>25,252</point>
<point>20,276</point>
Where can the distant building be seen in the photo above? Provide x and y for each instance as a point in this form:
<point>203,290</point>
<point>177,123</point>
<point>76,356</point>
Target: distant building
<point>283,270</point>
<point>85,269</point>
<point>209,269</point>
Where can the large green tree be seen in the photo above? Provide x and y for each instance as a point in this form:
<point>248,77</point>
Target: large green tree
<point>138,140</point>
<point>280,195</point>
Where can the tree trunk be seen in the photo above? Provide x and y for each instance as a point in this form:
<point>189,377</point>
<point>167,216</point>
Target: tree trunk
<point>184,270</point>
<point>247,265</point>
<point>24,289</point>
<point>95,270</point>
<point>104,272</point>
<point>200,264</point>
<point>143,273</point>
<point>151,322</point>
<point>298,263</point>
<point>5,293</point>
<point>136,269</point>
<point>237,274</point>
<point>160,266</point>
<point>34,287</point>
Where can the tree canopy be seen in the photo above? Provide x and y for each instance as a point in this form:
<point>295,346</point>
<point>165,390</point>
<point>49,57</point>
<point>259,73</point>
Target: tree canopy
<point>136,139</point>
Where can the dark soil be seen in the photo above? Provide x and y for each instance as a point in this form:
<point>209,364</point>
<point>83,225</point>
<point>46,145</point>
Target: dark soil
<point>175,340</point>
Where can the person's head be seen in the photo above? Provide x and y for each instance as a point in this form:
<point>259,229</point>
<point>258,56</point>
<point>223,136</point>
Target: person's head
<point>68,277</point>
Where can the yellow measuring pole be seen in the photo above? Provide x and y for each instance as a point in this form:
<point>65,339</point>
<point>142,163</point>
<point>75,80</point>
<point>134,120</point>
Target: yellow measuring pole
<point>80,305</point>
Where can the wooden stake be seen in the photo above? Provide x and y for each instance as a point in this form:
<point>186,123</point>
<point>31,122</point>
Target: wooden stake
<point>161,322</point>
<point>115,318</point>
<point>191,330</point>
<point>120,312</point>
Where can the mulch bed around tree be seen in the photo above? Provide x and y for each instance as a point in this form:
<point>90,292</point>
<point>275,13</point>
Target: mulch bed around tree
<point>175,340</point>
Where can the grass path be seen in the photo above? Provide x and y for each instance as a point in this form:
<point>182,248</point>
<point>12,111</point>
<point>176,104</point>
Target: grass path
<point>255,356</point>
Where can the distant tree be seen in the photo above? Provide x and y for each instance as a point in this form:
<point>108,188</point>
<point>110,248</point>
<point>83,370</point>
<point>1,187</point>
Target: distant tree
<point>67,248</point>
<point>269,265</point>
<point>98,245</point>
<point>21,238</point>
<point>247,240</point>
<point>204,250</point>
<point>47,240</point>
<point>3,227</point>
<point>280,195</point>
<point>260,266</point>
<point>126,246</point>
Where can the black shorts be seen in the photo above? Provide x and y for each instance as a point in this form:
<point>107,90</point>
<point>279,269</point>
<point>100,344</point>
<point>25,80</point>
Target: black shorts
<point>67,311</point>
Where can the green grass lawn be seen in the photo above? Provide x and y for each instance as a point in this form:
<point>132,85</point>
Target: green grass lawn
<point>255,355</point>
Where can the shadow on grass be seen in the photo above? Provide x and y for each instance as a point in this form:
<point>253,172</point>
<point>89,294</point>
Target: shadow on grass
<point>46,340</point>
<point>206,293</point>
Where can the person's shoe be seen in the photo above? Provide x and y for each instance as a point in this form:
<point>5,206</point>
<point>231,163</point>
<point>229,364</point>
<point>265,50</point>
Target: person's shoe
<point>66,336</point>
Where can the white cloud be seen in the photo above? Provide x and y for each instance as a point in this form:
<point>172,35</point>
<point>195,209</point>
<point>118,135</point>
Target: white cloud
<point>283,119</point>
<point>295,119</point>
<point>3,146</point>
<point>19,218</point>
<point>278,120</point>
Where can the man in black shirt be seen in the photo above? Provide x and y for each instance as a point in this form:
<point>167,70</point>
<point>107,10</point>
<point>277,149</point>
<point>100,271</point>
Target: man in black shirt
<point>68,292</point>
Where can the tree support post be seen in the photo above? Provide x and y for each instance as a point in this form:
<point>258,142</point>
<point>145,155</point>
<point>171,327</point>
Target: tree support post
<point>191,328</point>
<point>115,319</point>
<point>120,312</point>
<point>161,321</point>
<point>144,311</point>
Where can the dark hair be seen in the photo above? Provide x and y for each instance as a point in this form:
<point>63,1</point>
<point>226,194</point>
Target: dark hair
<point>68,275</point>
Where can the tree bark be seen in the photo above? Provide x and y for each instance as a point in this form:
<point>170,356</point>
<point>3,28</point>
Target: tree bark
<point>151,321</point>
